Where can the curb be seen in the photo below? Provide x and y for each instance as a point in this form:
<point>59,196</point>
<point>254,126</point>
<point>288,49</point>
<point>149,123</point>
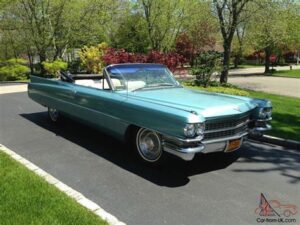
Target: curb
<point>77,196</point>
<point>277,141</point>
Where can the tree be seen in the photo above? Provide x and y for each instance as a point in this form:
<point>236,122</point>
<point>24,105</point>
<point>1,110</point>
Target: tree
<point>131,34</point>
<point>199,31</point>
<point>48,28</point>
<point>164,20</point>
<point>274,28</point>
<point>196,41</point>
<point>240,44</point>
<point>229,15</point>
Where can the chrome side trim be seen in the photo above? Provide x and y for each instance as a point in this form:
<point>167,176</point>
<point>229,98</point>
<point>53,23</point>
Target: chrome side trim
<point>237,136</point>
<point>227,128</point>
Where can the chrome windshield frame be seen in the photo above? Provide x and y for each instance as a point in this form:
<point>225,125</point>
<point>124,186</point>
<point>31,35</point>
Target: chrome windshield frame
<point>107,77</point>
<point>111,85</point>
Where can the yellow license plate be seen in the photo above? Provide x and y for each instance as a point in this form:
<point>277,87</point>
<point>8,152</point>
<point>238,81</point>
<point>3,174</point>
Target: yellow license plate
<point>233,145</point>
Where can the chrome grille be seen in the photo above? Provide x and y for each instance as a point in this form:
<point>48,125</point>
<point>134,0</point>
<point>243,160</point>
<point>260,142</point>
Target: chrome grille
<point>225,128</point>
<point>213,125</point>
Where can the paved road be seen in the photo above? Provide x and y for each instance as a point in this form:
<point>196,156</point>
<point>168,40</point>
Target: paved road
<point>276,85</point>
<point>254,79</point>
<point>209,190</point>
<point>12,88</point>
<point>258,70</point>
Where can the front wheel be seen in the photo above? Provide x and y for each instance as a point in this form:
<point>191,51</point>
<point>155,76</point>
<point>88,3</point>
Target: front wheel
<point>53,114</point>
<point>148,145</point>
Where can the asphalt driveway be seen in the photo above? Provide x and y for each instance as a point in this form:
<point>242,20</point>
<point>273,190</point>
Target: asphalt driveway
<point>276,85</point>
<point>259,70</point>
<point>212,189</point>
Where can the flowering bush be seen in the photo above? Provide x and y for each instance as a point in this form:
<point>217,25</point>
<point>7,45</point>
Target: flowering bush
<point>171,60</point>
<point>184,47</point>
<point>114,56</point>
<point>92,57</point>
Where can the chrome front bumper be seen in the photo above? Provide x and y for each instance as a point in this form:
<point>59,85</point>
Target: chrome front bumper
<point>184,153</point>
<point>260,130</point>
<point>187,148</point>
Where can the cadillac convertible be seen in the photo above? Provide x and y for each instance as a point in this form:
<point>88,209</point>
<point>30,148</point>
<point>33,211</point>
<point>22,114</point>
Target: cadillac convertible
<point>144,104</point>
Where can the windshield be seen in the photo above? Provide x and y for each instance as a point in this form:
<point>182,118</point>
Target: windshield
<point>135,77</point>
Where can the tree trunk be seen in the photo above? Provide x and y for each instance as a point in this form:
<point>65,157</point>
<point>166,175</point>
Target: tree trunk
<point>226,58</point>
<point>30,59</point>
<point>43,58</point>
<point>237,58</point>
<point>267,60</point>
<point>236,61</point>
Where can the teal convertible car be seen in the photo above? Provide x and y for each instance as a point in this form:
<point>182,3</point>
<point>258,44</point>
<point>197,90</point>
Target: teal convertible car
<point>144,104</point>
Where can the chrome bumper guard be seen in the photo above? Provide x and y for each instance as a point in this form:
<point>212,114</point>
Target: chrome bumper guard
<point>260,128</point>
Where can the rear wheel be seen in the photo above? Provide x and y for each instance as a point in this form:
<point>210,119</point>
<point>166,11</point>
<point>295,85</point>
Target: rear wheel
<point>148,145</point>
<point>53,114</point>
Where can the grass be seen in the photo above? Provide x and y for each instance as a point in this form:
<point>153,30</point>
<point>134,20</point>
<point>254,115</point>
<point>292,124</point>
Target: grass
<point>223,90</point>
<point>286,117</point>
<point>23,80</point>
<point>26,198</point>
<point>287,73</point>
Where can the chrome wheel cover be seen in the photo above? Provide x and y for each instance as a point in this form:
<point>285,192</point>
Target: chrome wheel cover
<point>53,113</point>
<point>148,145</point>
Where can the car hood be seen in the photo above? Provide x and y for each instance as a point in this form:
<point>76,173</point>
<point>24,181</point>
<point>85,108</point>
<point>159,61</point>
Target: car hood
<point>205,103</point>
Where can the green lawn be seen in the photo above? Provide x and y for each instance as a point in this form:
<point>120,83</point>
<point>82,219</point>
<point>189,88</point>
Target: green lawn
<point>224,90</point>
<point>286,110</point>
<point>287,73</point>
<point>286,115</point>
<point>25,198</point>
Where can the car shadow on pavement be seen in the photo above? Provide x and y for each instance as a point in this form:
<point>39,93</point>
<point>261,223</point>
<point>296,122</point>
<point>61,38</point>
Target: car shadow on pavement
<point>285,161</point>
<point>173,173</point>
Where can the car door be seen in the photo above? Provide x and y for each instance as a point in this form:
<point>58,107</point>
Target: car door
<point>100,108</point>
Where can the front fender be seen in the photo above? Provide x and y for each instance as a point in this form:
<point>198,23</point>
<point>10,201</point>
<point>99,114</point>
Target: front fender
<point>261,103</point>
<point>163,119</point>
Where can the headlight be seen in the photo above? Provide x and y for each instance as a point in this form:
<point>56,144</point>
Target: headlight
<point>191,130</point>
<point>265,113</point>
<point>200,127</point>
